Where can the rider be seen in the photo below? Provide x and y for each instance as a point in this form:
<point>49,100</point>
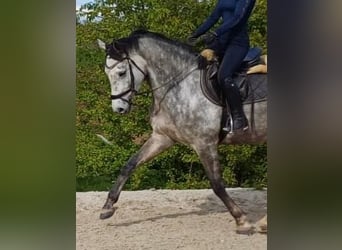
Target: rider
<point>230,42</point>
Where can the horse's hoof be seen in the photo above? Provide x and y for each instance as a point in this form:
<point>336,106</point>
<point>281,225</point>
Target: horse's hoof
<point>245,230</point>
<point>107,213</point>
<point>262,229</point>
<point>262,225</point>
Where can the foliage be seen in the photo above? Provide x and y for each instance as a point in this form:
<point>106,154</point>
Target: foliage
<point>98,163</point>
<point>258,25</point>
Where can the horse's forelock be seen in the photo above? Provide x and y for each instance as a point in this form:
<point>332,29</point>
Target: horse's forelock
<point>113,52</point>
<point>119,49</point>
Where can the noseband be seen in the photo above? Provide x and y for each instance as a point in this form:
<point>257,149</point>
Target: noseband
<point>132,87</point>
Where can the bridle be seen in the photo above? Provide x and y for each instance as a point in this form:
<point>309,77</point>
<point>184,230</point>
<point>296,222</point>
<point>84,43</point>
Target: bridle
<point>132,87</point>
<point>175,79</point>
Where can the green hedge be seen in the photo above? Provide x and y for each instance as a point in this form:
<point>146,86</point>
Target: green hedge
<point>98,163</point>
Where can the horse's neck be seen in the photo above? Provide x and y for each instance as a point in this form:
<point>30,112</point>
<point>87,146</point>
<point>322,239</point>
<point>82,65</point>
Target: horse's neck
<point>166,63</point>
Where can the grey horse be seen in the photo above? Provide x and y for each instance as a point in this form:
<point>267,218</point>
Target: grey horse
<point>181,112</point>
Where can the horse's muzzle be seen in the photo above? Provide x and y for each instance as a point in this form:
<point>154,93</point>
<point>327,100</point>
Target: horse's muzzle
<point>120,106</point>
<point>120,110</point>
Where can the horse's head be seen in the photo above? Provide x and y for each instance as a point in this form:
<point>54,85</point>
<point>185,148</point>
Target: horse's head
<point>125,71</point>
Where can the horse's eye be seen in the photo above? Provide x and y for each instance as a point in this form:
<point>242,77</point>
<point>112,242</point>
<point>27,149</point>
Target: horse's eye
<point>122,73</point>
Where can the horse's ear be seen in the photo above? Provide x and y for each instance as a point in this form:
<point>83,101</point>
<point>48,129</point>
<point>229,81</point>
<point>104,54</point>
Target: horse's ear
<point>101,44</point>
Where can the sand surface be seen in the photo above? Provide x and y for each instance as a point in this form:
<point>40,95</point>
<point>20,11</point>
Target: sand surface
<point>167,220</point>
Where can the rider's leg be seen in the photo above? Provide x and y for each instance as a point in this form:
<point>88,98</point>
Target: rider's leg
<point>231,61</point>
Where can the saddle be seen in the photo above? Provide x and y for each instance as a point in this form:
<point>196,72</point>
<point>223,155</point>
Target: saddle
<point>250,78</point>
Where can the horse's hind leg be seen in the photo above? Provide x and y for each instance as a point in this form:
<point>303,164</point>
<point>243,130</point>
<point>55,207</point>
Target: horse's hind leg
<point>210,160</point>
<point>151,148</point>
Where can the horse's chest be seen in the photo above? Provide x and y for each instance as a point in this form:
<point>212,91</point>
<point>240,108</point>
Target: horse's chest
<point>167,126</point>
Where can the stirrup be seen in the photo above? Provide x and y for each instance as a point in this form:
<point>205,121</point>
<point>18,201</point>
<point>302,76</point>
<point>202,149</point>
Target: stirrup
<point>228,126</point>
<point>244,128</point>
<point>227,129</point>
<point>231,131</point>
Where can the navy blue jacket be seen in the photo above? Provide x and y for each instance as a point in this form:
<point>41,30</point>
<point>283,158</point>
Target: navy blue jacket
<point>235,14</point>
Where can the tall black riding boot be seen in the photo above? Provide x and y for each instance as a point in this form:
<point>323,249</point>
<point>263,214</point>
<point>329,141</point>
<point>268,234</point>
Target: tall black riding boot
<point>233,99</point>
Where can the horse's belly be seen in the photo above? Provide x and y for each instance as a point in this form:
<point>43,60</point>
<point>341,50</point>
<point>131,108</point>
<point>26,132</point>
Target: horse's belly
<point>187,131</point>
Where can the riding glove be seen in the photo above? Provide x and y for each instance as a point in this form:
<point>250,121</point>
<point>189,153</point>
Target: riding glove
<point>209,38</point>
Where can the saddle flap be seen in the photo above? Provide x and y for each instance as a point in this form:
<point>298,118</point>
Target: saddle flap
<point>209,84</point>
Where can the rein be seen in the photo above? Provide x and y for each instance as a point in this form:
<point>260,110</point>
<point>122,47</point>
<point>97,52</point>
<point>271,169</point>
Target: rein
<point>176,78</point>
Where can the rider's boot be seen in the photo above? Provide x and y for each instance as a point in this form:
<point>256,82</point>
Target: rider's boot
<point>234,104</point>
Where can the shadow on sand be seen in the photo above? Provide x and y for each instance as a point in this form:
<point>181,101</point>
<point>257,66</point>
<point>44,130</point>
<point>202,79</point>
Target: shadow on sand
<point>211,205</point>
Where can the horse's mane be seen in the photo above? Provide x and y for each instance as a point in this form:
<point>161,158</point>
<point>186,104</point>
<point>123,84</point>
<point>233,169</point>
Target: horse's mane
<point>119,48</point>
<point>163,38</point>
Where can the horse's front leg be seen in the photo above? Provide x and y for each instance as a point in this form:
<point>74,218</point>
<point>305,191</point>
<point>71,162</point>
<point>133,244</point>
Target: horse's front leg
<point>152,147</point>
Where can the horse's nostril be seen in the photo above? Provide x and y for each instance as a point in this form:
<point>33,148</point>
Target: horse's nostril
<point>121,110</point>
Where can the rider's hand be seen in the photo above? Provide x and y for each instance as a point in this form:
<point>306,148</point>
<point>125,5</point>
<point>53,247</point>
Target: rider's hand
<point>209,37</point>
